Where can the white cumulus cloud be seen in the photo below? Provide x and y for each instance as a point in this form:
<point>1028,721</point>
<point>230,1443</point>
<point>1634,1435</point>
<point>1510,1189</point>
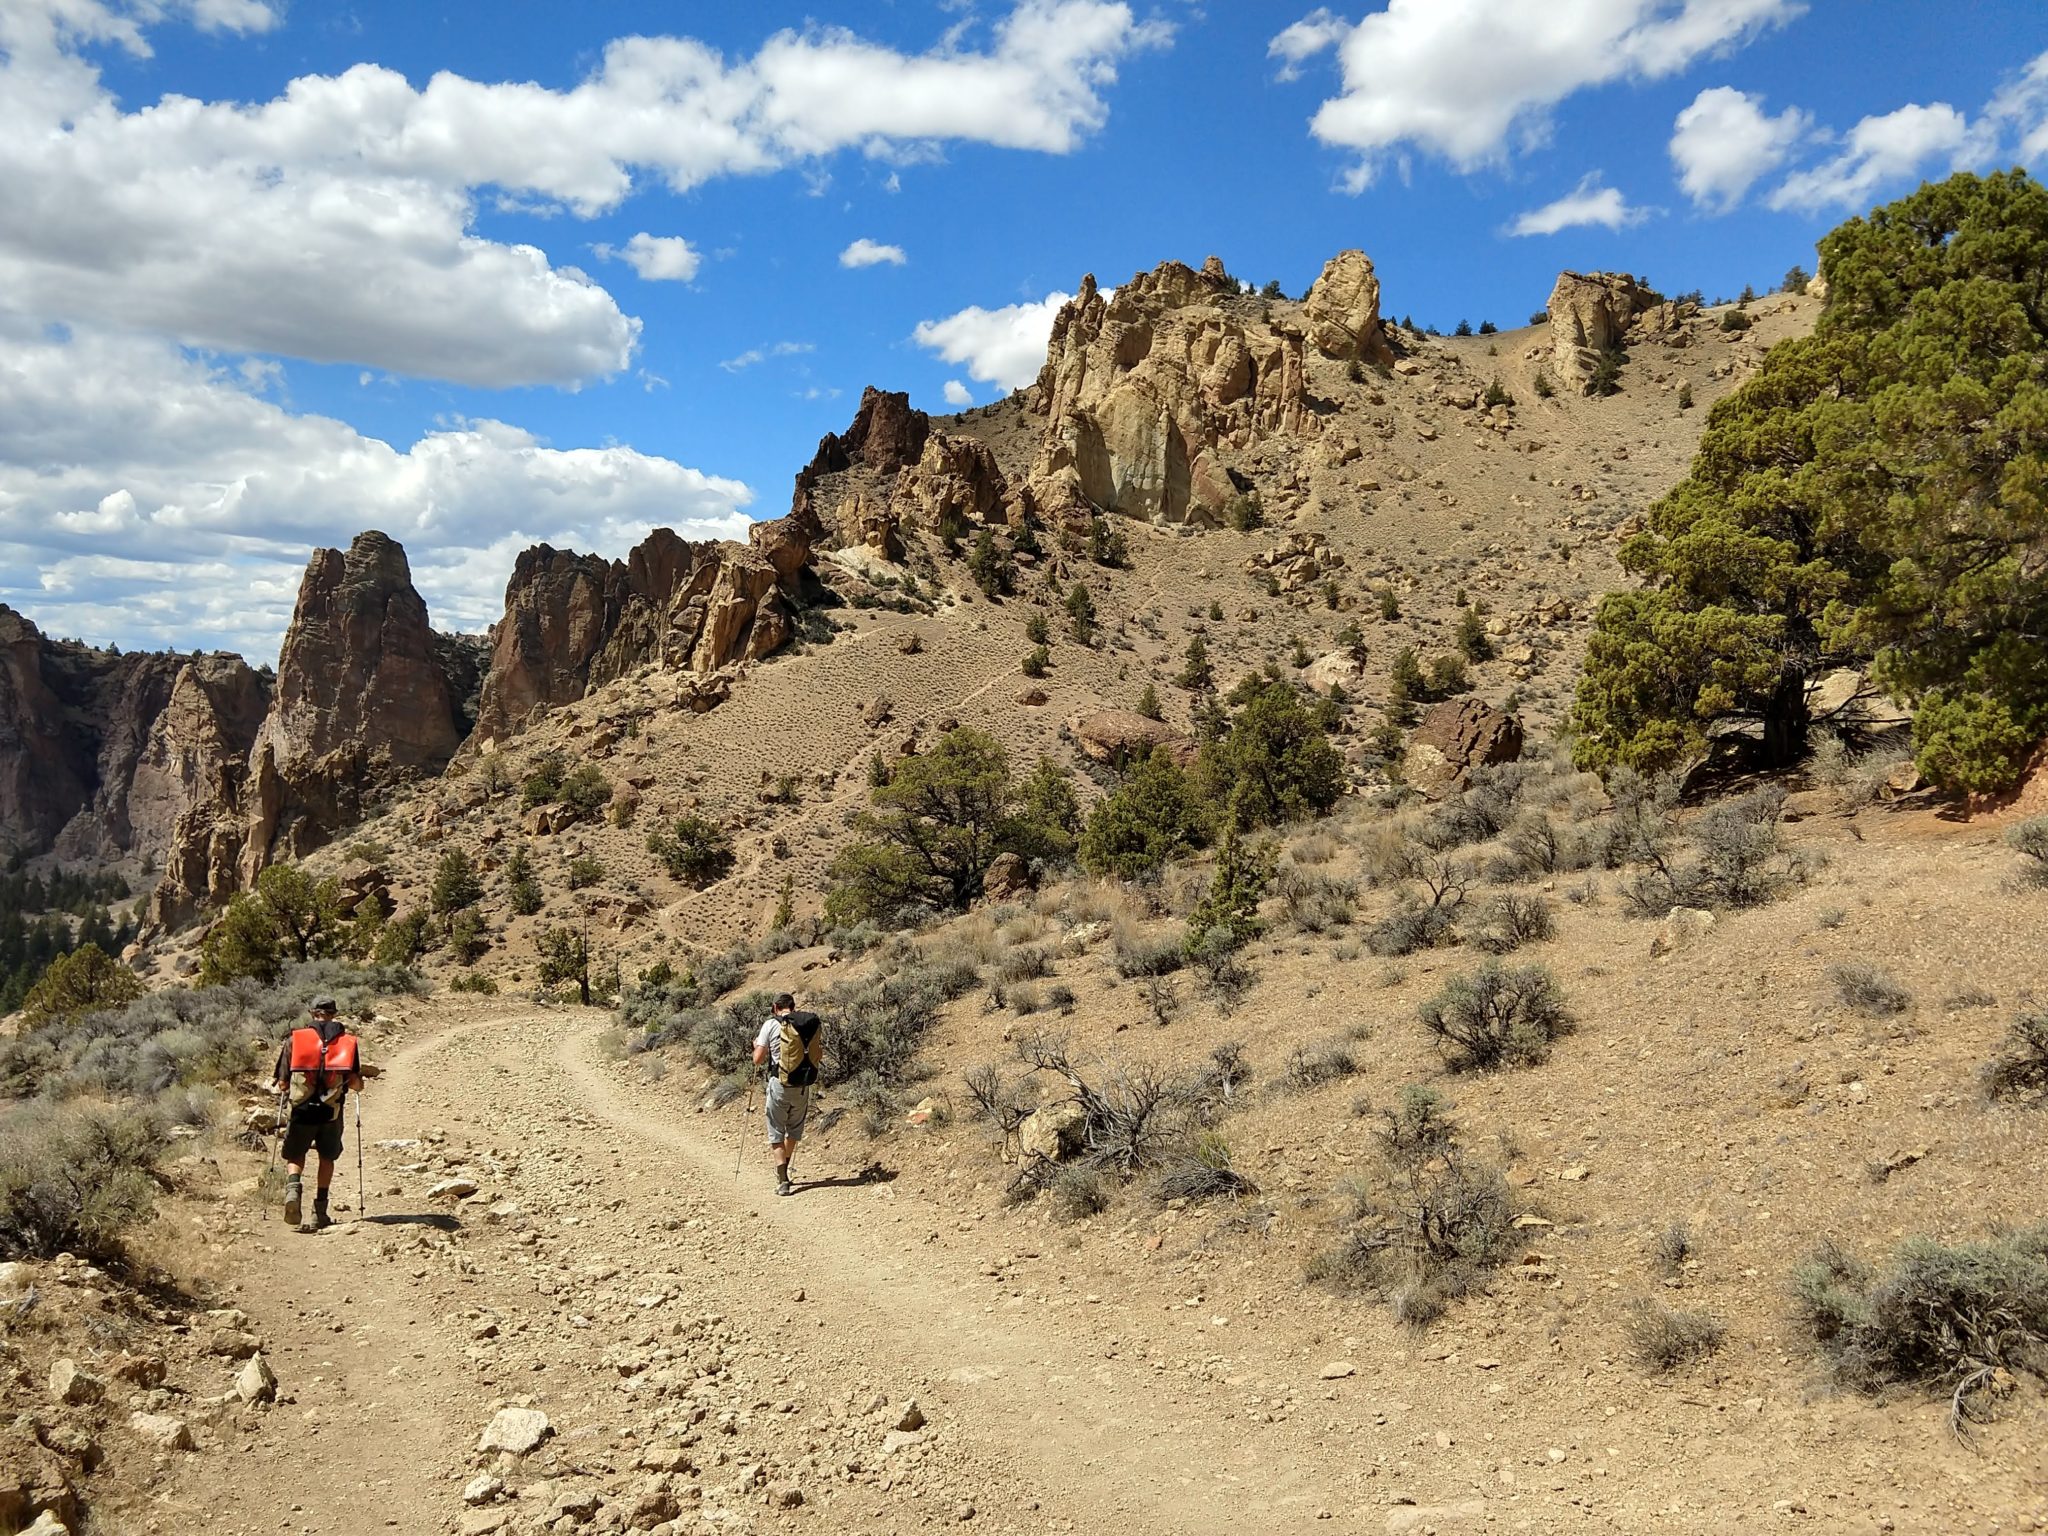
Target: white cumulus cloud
<point>871,253</point>
<point>1589,203</point>
<point>1877,151</point>
<point>656,258</point>
<point>1003,346</point>
<point>1724,143</point>
<point>958,394</point>
<point>1466,79</point>
<point>157,500</point>
<point>335,222</point>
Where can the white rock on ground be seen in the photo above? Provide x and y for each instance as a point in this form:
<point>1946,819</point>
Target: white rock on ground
<point>72,1383</point>
<point>516,1431</point>
<point>257,1383</point>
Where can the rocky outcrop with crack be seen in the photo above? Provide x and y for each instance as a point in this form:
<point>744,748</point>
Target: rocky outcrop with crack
<point>1147,392</point>
<point>1343,311</point>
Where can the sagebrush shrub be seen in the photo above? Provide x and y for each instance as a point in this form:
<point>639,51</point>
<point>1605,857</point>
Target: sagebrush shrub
<point>1939,1316</point>
<point>2030,838</point>
<point>1663,1338</point>
<point>1509,921</point>
<point>1868,989</point>
<point>1497,1016</point>
<point>1428,1224</point>
<point>74,1180</point>
<point>2020,1070</point>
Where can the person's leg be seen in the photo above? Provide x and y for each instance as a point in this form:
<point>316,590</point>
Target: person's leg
<point>297,1142</point>
<point>326,1177</point>
<point>796,1110</point>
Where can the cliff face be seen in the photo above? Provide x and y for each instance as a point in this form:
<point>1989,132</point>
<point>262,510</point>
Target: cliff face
<point>575,622</point>
<point>85,736</point>
<point>42,782</point>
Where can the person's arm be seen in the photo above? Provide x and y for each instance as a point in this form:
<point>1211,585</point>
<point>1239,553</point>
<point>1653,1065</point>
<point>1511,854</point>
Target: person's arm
<point>280,1074</point>
<point>761,1045</point>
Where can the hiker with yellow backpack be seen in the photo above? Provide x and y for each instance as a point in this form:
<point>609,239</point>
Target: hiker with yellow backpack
<point>791,1045</point>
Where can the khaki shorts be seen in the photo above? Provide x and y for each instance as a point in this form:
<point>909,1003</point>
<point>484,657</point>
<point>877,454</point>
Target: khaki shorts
<point>787,1105</point>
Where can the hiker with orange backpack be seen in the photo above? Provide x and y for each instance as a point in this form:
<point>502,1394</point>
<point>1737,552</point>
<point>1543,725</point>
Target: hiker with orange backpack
<point>319,1066</point>
<point>791,1045</point>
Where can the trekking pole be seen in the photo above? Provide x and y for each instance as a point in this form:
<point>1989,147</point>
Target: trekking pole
<point>362,1197</point>
<point>275,1137</point>
<point>746,1114</point>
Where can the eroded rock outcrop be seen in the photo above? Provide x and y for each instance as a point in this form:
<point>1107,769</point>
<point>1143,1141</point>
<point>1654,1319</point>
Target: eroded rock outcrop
<point>193,771</point>
<point>1343,310</point>
<point>1593,312</point>
<point>361,703</point>
<point>886,435</point>
<point>1145,390</point>
<point>575,622</point>
<point>955,484</point>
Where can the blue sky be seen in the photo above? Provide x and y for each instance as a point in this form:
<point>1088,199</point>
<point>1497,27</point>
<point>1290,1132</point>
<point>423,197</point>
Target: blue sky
<point>283,271</point>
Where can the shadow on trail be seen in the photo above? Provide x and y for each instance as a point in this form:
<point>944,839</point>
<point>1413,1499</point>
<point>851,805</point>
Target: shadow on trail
<point>874,1173</point>
<point>440,1221</point>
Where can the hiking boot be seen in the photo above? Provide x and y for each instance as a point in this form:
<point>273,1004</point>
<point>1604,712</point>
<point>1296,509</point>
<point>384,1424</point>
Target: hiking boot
<point>782,1184</point>
<point>292,1204</point>
<point>321,1220</point>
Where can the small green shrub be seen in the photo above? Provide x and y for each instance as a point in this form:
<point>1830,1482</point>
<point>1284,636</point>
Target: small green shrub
<point>692,849</point>
<point>585,870</point>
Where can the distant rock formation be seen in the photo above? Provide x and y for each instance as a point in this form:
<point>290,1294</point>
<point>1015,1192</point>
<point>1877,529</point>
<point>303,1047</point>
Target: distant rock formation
<point>194,770</point>
<point>885,436</point>
<point>1595,312</point>
<point>42,783</point>
<point>575,622</point>
<point>1144,391</point>
<point>891,470</point>
<point>1343,311</point>
<point>367,697</point>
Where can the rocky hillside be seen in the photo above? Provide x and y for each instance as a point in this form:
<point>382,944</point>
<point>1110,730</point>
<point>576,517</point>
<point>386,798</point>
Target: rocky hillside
<point>1341,470</point>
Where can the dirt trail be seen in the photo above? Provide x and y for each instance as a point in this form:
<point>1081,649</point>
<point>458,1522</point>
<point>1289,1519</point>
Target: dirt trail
<point>1040,1419</point>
